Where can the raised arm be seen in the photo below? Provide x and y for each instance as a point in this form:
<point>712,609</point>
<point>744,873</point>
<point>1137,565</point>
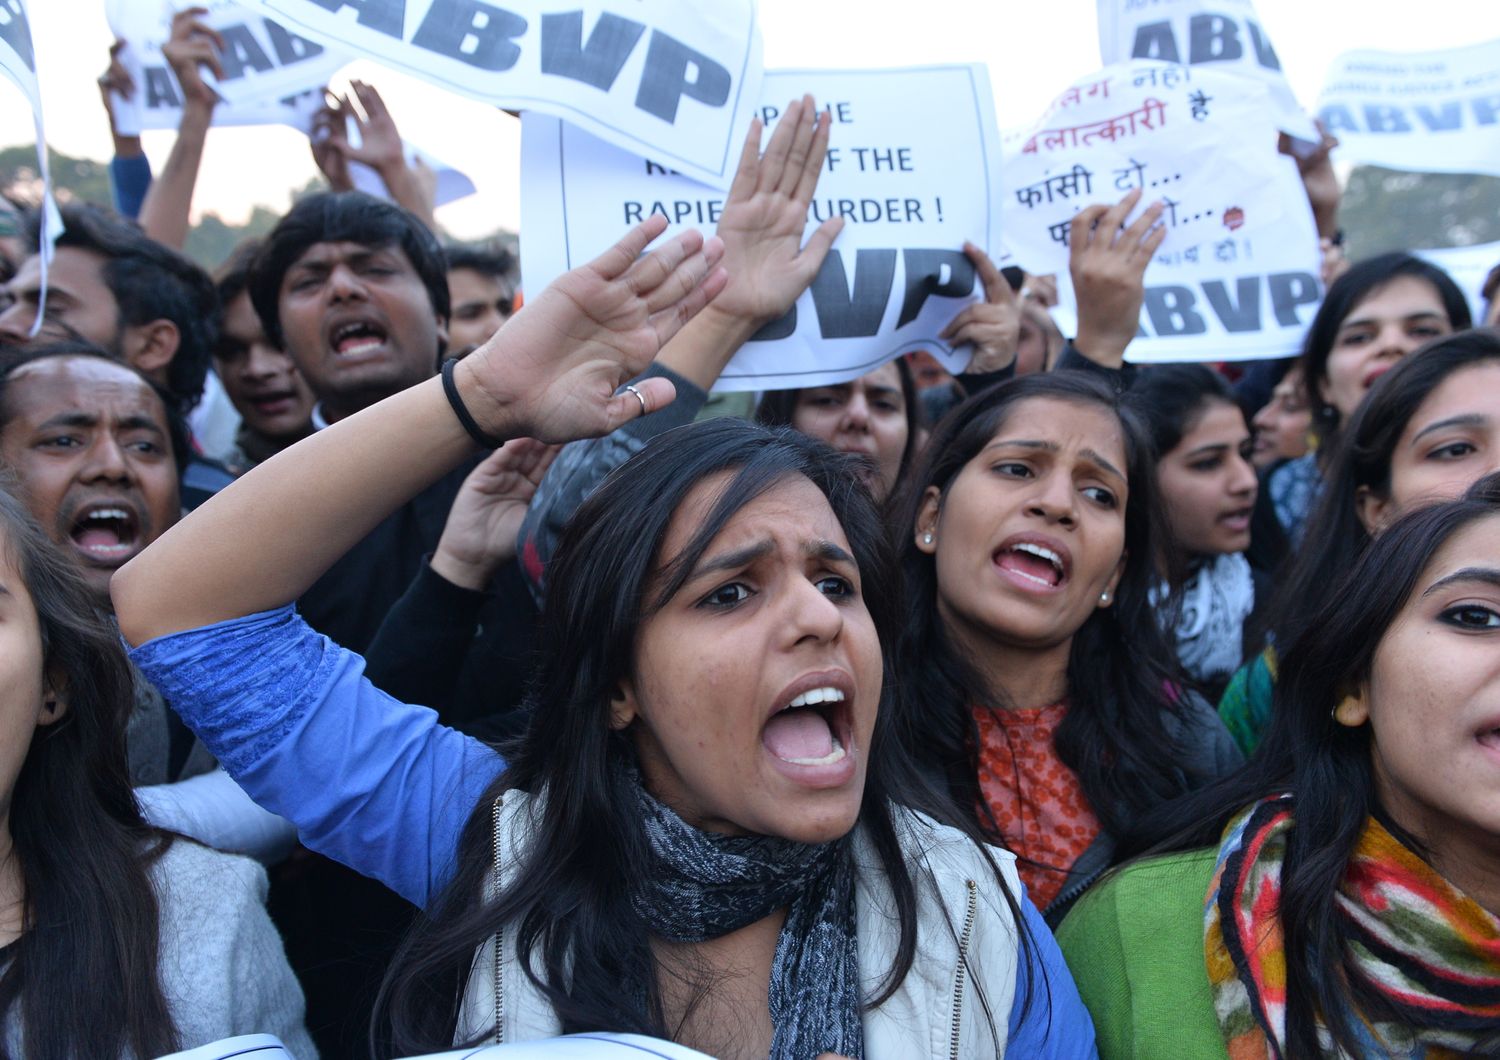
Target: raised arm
<point>164,213</point>
<point>1108,260</point>
<point>551,373</point>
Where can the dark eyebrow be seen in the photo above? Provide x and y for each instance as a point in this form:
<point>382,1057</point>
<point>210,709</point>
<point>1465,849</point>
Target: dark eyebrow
<point>1369,321</point>
<point>1204,450</point>
<point>141,422</point>
<point>1052,447</point>
<point>1472,419</point>
<point>72,418</point>
<point>1484,575</point>
<point>740,557</point>
<point>829,552</point>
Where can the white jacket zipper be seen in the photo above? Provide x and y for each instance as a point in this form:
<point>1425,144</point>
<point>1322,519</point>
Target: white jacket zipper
<point>960,977</point>
<point>500,931</point>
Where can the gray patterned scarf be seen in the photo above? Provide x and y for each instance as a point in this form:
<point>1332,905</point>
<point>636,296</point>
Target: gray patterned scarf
<point>706,885</point>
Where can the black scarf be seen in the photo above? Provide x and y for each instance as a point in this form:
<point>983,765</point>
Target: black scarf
<point>706,885</point>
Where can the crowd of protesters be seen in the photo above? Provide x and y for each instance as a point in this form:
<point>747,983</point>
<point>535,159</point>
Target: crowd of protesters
<point>390,669</point>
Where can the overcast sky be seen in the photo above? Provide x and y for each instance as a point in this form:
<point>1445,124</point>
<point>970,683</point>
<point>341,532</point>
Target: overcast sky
<point>1033,50</point>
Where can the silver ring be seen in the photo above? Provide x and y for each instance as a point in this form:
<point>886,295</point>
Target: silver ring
<point>639,397</point>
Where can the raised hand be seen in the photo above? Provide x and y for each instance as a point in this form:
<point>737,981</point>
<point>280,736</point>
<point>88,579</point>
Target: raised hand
<point>553,370</point>
<point>766,213</point>
<point>191,47</point>
<point>1319,180</point>
<point>328,138</point>
<point>992,327</point>
<point>1108,260</point>
<point>480,534</point>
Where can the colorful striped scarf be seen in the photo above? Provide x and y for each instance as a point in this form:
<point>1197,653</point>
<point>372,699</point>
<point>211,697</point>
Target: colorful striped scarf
<point>1431,952</point>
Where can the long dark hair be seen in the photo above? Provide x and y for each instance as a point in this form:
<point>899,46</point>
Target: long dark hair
<point>1343,296</point>
<point>83,979</point>
<point>1116,735</point>
<point>1335,536</point>
<point>776,408</point>
<point>568,908</point>
<point>1328,768</point>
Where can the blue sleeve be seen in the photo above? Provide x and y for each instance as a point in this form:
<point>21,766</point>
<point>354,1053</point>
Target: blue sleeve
<point>1055,1024</point>
<point>369,781</point>
<point>130,178</point>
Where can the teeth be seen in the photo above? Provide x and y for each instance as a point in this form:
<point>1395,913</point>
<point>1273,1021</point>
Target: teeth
<point>831,757</point>
<point>1043,553</point>
<point>814,696</point>
<point>108,513</point>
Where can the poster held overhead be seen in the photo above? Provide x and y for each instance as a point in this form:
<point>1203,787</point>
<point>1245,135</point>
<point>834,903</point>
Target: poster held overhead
<point>271,75</point>
<point>1431,112</point>
<point>1237,275</point>
<point>1221,35</point>
<point>18,64</point>
<point>673,79</point>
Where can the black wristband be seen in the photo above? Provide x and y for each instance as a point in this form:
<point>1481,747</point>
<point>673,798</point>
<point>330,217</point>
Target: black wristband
<point>450,389</point>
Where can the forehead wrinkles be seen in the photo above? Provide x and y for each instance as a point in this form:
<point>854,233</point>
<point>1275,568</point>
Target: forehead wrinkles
<point>46,388</point>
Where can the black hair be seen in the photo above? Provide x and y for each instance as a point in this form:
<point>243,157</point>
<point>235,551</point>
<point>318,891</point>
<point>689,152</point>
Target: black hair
<point>1343,297</point>
<point>567,908</point>
<point>496,263</point>
<point>1328,769</point>
<point>343,217</point>
<point>83,978</point>
<point>776,408</point>
<point>232,278</point>
<point>150,282</point>
<point>12,359</point>
<point>1116,736</point>
<point>1335,536</point>
<point>1171,398</point>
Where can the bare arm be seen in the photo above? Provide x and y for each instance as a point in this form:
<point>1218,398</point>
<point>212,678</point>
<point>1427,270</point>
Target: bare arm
<point>761,226</point>
<point>550,373</point>
<point>164,214</point>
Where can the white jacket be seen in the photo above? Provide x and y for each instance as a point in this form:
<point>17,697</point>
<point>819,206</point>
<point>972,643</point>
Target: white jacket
<point>967,942</point>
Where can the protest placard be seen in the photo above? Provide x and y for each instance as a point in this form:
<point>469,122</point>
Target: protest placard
<point>271,75</point>
<point>1433,112</point>
<point>18,64</point>
<point>1237,275</point>
<point>1470,267</point>
<point>910,187</point>
<point>671,79</point>
<point>1222,35</point>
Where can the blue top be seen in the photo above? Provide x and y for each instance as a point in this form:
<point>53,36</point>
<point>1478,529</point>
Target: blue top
<point>384,788</point>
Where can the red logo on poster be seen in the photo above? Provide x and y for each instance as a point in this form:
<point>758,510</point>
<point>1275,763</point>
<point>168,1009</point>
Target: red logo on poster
<point>1234,218</point>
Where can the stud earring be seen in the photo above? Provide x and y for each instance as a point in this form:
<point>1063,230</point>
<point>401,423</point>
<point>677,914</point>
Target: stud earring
<point>926,539</point>
<point>1104,597</point>
<point>1340,712</point>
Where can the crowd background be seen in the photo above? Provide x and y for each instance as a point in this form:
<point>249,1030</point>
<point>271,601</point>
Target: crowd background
<point>471,744</point>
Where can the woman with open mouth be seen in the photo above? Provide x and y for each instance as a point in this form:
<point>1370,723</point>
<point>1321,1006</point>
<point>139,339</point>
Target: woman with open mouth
<point>1208,488</point>
<point>709,833</point>
<point>1339,897</point>
<point>1037,683</point>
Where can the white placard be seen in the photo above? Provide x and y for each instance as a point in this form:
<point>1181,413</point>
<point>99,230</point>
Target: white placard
<point>591,1046</point>
<point>240,1047</point>
<point>1433,112</point>
<point>1469,267</point>
<point>673,79</point>
<point>1221,35</point>
<point>1237,276</point>
<point>452,184</point>
<point>271,75</point>
<point>912,167</point>
<point>18,63</point>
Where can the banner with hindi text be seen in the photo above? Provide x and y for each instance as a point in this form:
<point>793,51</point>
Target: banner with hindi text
<point>1237,275</point>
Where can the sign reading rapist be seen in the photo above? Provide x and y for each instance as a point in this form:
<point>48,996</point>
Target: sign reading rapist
<point>271,75</point>
<point>911,190</point>
<point>1237,275</point>
<point>1222,35</point>
<point>673,79</point>
<point>1433,112</point>
<point>18,64</point>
